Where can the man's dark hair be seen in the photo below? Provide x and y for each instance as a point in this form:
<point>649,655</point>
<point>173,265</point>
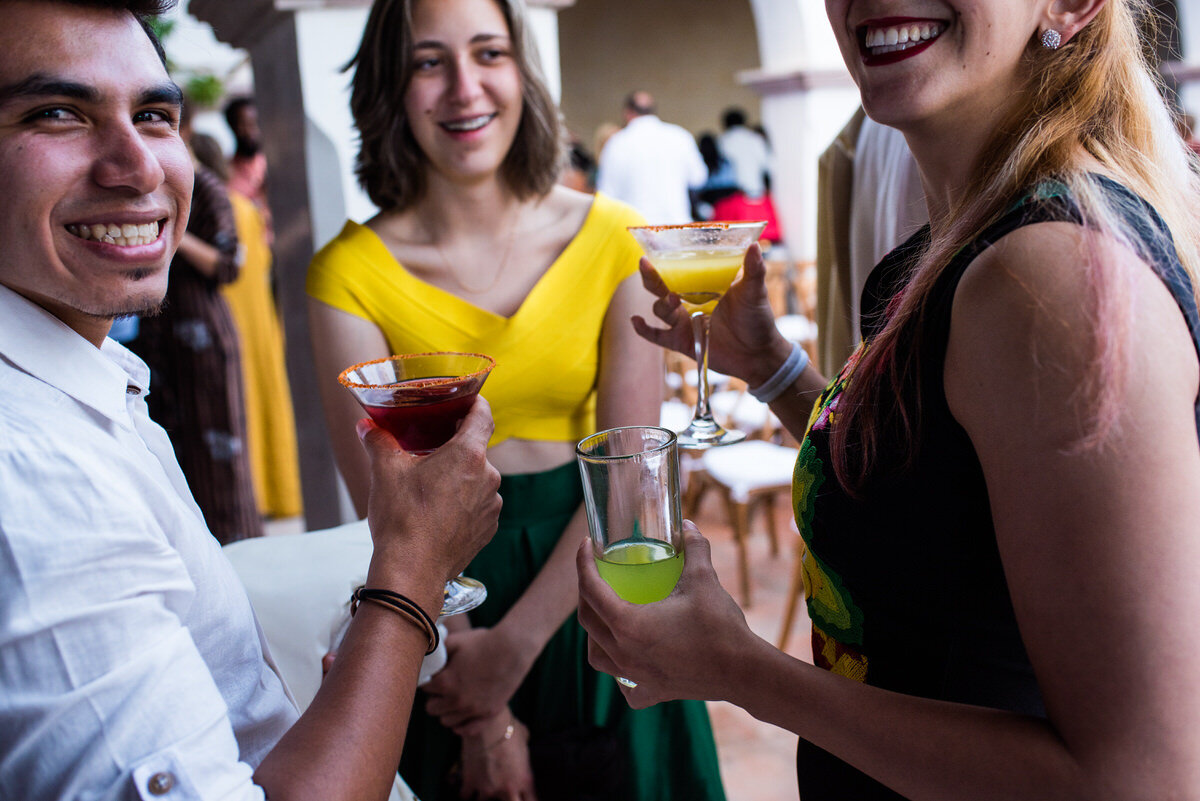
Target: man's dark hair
<point>640,102</point>
<point>144,10</point>
<point>733,118</point>
<point>233,111</point>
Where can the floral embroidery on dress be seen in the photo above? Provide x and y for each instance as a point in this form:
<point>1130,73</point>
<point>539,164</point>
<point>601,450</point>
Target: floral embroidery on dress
<point>837,622</point>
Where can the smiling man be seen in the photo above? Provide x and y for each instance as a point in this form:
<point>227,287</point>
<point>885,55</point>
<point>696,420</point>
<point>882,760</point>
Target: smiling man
<point>131,663</point>
<point>64,197</point>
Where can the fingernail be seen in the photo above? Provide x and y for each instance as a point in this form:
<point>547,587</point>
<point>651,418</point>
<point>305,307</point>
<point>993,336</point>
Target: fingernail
<point>362,427</point>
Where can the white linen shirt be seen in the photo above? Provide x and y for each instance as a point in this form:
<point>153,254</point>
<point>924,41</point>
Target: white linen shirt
<point>651,164</point>
<point>131,664</point>
<point>751,159</point>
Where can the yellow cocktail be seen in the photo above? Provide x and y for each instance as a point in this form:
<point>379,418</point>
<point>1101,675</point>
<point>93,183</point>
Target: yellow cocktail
<point>700,278</point>
<point>698,262</point>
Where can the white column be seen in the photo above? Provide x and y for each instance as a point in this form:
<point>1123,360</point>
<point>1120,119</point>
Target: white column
<point>807,98</point>
<point>1189,38</point>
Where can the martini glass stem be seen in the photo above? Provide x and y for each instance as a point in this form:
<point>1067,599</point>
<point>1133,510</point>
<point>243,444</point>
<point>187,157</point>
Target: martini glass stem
<point>700,328</point>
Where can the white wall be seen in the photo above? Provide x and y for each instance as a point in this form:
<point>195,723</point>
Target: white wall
<point>794,35</point>
<point>543,22</point>
<point>1189,34</point>
<point>193,48</point>
<point>327,40</point>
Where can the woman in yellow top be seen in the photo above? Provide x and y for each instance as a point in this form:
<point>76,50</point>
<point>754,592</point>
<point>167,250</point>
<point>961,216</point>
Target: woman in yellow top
<point>478,249</point>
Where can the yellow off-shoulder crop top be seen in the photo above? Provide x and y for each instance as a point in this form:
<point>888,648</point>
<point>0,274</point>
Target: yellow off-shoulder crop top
<point>547,353</point>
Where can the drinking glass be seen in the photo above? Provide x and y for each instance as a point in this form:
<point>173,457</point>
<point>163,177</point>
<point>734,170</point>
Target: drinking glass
<point>632,498</point>
<point>698,262</point>
<point>420,398</point>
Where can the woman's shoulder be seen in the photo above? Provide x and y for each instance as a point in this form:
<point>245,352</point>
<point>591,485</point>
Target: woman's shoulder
<point>590,209</point>
<point>1070,292</point>
<point>589,218</point>
<point>355,242</point>
<point>615,212</point>
<point>356,257</point>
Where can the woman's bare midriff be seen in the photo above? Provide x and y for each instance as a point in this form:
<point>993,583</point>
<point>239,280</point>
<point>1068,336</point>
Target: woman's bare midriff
<point>516,456</point>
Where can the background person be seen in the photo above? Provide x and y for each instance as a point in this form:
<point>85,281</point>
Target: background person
<point>1187,129</point>
<point>721,181</point>
<point>131,661</point>
<point>999,493</point>
<point>477,248</point>
<point>871,201</point>
<point>248,164</point>
<point>191,346</point>
<point>747,151</point>
<point>270,421</point>
<point>650,164</point>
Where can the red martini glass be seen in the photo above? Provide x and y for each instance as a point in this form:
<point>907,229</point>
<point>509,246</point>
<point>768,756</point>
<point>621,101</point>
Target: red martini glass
<point>420,399</point>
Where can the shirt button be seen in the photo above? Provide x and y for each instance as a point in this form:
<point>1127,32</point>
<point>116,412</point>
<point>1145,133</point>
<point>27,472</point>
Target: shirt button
<point>161,783</point>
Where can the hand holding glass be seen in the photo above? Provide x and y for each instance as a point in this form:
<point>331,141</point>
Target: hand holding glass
<point>420,399</point>
<point>698,262</point>
<point>631,494</point>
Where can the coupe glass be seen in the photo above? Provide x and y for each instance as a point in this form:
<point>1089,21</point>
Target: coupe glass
<point>420,399</point>
<point>698,262</point>
<point>631,494</point>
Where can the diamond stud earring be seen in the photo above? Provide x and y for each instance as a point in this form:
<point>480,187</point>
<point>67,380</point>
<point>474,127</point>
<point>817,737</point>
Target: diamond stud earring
<point>1051,39</point>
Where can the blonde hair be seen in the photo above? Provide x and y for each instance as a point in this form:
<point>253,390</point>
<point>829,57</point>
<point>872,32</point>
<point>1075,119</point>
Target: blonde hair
<point>391,165</point>
<point>1096,92</point>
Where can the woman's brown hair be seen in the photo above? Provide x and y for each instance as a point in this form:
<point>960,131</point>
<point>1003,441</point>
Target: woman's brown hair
<point>391,166</point>
<point>1096,92</point>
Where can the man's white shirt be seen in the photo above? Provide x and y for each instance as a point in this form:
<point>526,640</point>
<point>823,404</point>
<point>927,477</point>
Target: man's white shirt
<point>651,164</point>
<point>887,203</point>
<point>131,663</point>
<point>747,151</point>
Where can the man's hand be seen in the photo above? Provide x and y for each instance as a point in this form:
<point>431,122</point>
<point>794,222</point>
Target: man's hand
<point>430,515</point>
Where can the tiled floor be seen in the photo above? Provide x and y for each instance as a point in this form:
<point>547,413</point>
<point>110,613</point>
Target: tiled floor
<point>757,760</point>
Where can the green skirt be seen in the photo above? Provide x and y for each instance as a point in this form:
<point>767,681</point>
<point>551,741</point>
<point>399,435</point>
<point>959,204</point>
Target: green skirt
<point>585,742</point>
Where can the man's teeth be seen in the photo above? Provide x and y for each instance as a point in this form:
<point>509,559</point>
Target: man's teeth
<point>126,235</point>
<point>473,124</point>
<point>901,37</point>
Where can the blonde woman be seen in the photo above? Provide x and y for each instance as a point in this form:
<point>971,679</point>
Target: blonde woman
<point>1000,492</point>
<point>477,248</point>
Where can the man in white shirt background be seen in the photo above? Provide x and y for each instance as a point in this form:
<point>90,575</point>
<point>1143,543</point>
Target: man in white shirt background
<point>131,663</point>
<point>650,164</point>
<point>747,151</point>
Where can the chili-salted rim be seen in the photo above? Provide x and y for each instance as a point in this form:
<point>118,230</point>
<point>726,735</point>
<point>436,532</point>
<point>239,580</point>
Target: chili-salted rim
<point>416,382</point>
<point>672,439</point>
<point>720,226</point>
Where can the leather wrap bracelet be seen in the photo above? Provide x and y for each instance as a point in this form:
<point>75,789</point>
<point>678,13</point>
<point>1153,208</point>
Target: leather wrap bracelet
<point>401,605</point>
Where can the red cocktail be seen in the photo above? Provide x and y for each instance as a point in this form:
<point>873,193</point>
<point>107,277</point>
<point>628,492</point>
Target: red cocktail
<point>419,398</point>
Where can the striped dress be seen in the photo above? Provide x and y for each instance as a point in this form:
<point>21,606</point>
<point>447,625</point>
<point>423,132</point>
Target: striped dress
<point>192,350</point>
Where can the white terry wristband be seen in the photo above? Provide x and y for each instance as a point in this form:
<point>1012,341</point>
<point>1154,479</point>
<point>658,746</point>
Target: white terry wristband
<point>784,377</point>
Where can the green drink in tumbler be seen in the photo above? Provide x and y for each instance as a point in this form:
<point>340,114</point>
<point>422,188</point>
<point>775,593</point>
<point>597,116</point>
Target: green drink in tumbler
<point>631,492</point>
<point>640,572</point>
